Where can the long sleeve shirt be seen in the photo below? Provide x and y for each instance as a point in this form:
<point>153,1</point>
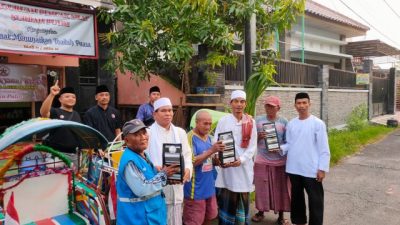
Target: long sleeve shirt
<point>237,179</point>
<point>145,113</point>
<point>159,136</point>
<point>138,183</point>
<point>307,147</point>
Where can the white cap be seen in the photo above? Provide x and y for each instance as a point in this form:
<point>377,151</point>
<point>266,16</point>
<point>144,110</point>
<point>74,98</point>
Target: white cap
<point>162,102</point>
<point>238,94</point>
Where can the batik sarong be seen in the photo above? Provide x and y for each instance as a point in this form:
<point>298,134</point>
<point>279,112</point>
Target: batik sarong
<point>233,207</point>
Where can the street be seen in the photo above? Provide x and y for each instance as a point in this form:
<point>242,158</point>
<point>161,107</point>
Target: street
<point>363,189</point>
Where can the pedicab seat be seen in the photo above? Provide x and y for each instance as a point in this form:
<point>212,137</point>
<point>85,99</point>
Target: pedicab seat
<point>42,195</point>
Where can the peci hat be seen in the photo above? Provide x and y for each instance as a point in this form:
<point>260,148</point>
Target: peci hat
<point>272,100</point>
<point>301,95</point>
<point>132,127</point>
<point>162,102</point>
<point>67,90</point>
<point>101,88</point>
<point>238,94</point>
<point>154,89</point>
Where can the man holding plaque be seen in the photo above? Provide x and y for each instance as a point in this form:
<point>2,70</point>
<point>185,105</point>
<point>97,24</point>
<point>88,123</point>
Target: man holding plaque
<point>139,184</point>
<point>235,179</point>
<point>270,179</point>
<point>164,135</point>
<point>308,158</point>
<point>200,204</point>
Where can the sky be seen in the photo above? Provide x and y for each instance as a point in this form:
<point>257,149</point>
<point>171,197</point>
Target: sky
<point>381,16</point>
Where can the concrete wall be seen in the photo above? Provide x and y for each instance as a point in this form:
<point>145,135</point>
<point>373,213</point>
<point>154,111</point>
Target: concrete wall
<point>340,101</point>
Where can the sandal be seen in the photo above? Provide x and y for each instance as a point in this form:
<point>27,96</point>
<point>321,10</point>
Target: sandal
<point>282,221</point>
<point>258,217</point>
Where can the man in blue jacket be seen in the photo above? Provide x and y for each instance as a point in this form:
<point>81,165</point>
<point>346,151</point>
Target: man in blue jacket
<point>139,184</point>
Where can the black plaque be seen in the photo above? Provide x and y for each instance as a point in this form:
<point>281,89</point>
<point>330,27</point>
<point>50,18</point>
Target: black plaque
<point>271,140</point>
<point>172,155</point>
<point>228,155</point>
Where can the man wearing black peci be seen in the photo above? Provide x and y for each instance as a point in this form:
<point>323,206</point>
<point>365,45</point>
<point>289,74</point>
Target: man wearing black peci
<point>62,139</point>
<point>145,112</point>
<point>102,116</point>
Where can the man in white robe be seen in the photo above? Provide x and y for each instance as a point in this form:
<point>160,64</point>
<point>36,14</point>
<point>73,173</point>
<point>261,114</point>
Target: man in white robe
<point>160,132</point>
<point>235,179</point>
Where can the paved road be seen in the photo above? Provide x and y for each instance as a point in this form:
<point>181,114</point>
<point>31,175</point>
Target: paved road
<point>363,189</point>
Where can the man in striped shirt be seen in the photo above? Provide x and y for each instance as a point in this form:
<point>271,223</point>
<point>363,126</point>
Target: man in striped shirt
<point>200,205</point>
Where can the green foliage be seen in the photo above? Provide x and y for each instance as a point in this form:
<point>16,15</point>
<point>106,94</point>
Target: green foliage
<point>158,34</point>
<point>358,118</point>
<point>273,16</point>
<point>347,142</point>
<point>257,83</point>
<point>211,78</point>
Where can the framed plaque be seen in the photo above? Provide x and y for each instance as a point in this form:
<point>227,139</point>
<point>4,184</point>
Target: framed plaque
<point>172,155</point>
<point>228,155</point>
<point>271,141</point>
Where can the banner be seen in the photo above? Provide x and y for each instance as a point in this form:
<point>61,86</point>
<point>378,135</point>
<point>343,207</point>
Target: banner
<point>20,83</point>
<point>362,78</point>
<point>28,28</point>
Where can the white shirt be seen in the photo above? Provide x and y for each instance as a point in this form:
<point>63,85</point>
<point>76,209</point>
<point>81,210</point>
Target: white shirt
<point>159,135</point>
<point>307,147</point>
<point>237,179</point>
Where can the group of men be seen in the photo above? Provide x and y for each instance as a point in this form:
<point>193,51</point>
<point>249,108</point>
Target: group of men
<point>210,189</point>
<point>203,197</point>
<point>102,117</point>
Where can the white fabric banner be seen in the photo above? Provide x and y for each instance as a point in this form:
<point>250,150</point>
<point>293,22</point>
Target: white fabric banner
<point>42,30</point>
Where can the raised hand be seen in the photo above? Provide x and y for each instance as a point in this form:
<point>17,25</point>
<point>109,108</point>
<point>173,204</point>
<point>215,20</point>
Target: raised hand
<point>55,89</point>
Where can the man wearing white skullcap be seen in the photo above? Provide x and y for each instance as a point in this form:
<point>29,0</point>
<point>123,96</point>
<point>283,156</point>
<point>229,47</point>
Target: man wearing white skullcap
<point>160,132</point>
<point>238,94</point>
<point>235,179</point>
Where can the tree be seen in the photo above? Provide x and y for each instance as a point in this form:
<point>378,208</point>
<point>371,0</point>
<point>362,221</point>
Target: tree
<point>160,34</point>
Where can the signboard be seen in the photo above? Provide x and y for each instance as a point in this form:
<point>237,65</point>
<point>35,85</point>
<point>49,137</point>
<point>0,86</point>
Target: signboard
<point>26,28</point>
<point>362,78</point>
<point>22,83</point>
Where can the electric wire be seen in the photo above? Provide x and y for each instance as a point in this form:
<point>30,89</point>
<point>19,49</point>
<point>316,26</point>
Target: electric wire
<point>380,32</point>
<point>387,4</point>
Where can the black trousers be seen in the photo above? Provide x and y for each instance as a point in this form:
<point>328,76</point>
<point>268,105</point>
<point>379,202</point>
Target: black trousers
<point>315,192</point>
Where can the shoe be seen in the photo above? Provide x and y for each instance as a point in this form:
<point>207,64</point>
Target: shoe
<point>258,217</point>
<point>282,221</point>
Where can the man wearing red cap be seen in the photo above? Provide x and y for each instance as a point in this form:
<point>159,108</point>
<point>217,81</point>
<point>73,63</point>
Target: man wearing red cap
<point>270,179</point>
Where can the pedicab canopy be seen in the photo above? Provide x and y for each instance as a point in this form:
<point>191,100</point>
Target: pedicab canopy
<point>26,131</point>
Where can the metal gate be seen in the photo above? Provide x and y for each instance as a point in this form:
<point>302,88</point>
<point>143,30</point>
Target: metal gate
<point>380,92</point>
<point>397,91</point>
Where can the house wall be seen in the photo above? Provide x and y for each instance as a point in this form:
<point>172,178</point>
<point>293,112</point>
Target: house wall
<point>44,60</point>
<point>340,101</point>
<point>130,93</point>
<point>316,39</point>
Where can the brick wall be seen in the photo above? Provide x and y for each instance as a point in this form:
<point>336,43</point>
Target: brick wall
<point>340,102</point>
